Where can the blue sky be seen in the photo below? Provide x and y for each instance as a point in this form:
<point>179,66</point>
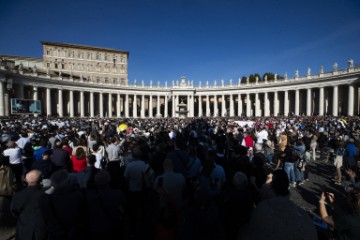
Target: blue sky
<point>200,39</point>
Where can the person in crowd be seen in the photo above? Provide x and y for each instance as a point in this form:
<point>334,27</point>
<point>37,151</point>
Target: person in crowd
<point>63,209</point>
<point>346,226</point>
<point>313,145</point>
<point>40,148</point>
<point>338,162</point>
<point>134,175</point>
<point>79,160</point>
<point>282,141</point>
<point>247,141</point>
<point>351,154</point>
<point>238,204</point>
<point>45,166</point>
<point>86,176</point>
<point>25,207</point>
<point>300,164</point>
<point>105,208</point>
<point>15,160</point>
<point>60,157</point>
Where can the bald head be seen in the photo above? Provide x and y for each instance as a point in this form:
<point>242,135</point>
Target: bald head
<point>33,177</point>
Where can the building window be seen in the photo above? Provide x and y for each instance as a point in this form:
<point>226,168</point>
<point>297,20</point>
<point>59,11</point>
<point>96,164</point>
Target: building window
<point>48,52</point>
<point>89,55</point>
<point>105,57</point>
<point>56,64</point>
<point>98,56</point>
<point>98,67</point>
<point>98,80</point>
<point>106,80</point>
<point>62,53</point>
<point>56,53</point>
<point>115,81</point>
<point>62,64</point>
<point>71,54</point>
<point>47,64</point>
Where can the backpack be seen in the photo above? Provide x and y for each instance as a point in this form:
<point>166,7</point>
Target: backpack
<point>295,155</point>
<point>6,181</point>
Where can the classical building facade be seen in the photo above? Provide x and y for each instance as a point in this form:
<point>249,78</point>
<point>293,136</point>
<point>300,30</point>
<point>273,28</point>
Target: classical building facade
<point>66,89</point>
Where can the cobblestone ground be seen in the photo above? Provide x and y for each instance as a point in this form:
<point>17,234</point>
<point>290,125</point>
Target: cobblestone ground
<point>307,195</point>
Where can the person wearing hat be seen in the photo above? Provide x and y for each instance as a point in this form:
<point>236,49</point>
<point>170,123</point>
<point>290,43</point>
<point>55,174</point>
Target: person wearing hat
<point>14,154</point>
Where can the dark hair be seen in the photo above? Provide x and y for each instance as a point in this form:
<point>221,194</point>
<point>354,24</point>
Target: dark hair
<point>79,153</point>
<point>91,159</point>
<point>280,183</point>
<point>95,147</point>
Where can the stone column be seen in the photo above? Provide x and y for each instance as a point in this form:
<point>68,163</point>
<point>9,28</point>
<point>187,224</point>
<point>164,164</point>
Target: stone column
<point>192,102</point>
<point>308,102</point>
<point>351,101</point>
<point>216,110</point>
<point>101,105</point>
<point>2,103</point>
<point>92,111</point>
<point>286,103</point>
<point>200,106</point>
<point>321,101</point>
<point>232,110</point>
<point>48,101</point>
<point>118,105</point>
<point>240,105</point>
<point>150,106</point>
<point>266,104</point>
<point>35,93</point>
<point>71,103</point>
<point>166,110</point>
<point>257,105</point>
<point>60,104</point>
<point>223,105</point>
<point>109,105</point>
<point>276,104</point>
<point>173,105</point>
<point>207,106</point>
<point>82,105</point>
<point>142,111</point>
<point>335,106</point>
<point>248,105</point>
<point>135,106</point>
<point>297,102</point>
<point>126,103</point>
<point>158,105</point>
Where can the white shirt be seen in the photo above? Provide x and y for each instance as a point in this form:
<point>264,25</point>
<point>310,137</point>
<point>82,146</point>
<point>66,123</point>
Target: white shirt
<point>14,155</point>
<point>23,140</point>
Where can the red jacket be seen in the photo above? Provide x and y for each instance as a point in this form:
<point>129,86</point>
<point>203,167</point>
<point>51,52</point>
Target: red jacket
<point>78,164</point>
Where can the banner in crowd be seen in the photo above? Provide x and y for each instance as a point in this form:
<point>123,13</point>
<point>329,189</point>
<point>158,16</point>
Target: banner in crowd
<point>25,106</point>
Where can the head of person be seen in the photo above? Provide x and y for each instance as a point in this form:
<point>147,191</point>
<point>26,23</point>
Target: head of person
<point>240,181</point>
<point>46,155</point>
<point>80,153</point>
<point>58,143</point>
<point>280,183</point>
<point>136,153</point>
<point>60,179</point>
<point>354,200</point>
<point>33,178</point>
<point>91,159</point>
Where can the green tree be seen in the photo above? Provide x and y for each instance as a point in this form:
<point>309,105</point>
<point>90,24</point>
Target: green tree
<point>243,80</point>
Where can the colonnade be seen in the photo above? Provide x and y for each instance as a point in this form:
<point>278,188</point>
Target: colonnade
<point>336,99</point>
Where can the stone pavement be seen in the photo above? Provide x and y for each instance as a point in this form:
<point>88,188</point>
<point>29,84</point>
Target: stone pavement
<point>307,195</point>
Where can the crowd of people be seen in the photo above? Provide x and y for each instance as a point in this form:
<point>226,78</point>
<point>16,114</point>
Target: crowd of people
<point>170,178</point>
